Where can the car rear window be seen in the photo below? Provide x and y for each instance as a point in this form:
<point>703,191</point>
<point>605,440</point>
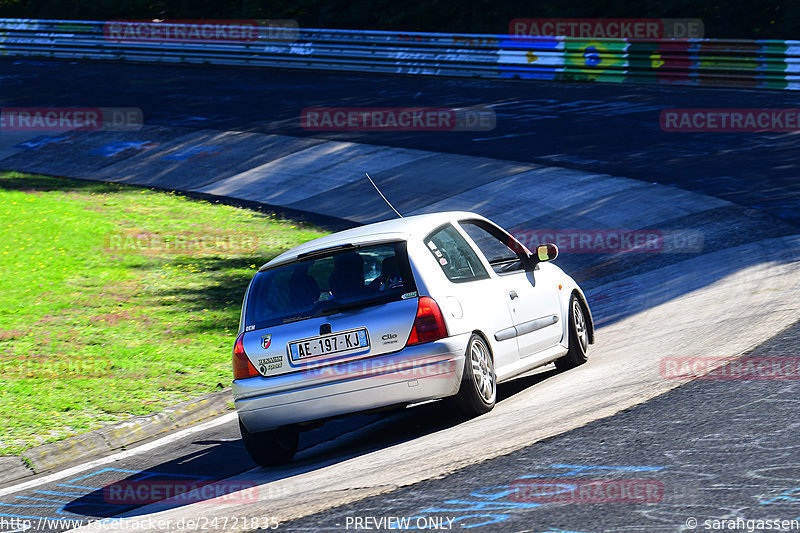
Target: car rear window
<point>326,283</point>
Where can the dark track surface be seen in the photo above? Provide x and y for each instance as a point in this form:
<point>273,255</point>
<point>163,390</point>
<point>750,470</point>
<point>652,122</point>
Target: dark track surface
<point>717,450</point>
<point>597,127</point>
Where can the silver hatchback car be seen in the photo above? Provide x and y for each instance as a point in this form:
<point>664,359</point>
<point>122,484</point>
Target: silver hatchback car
<point>443,305</point>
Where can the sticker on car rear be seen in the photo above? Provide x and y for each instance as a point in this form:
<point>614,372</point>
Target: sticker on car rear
<point>270,363</point>
<point>266,340</point>
<point>355,340</point>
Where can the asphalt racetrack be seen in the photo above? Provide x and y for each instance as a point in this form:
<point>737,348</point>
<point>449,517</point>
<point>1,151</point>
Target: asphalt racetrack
<point>601,127</point>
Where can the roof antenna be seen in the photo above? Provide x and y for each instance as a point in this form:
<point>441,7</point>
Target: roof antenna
<point>382,196</point>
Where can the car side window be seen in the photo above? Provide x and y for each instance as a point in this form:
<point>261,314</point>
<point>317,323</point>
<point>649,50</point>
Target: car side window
<point>455,256</point>
<point>502,258</point>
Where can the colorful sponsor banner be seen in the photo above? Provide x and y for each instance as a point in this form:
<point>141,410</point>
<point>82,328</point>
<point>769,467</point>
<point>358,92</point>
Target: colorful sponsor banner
<point>730,120</point>
<point>772,64</point>
<point>792,58</point>
<point>674,62</point>
<point>658,61</point>
<point>538,58</point>
<point>595,60</point>
<point>608,28</point>
<point>726,63</point>
<point>643,61</point>
<point>609,50</point>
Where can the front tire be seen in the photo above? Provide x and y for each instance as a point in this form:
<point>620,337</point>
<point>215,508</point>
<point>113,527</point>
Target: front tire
<point>578,337</point>
<point>478,391</point>
<point>271,448</point>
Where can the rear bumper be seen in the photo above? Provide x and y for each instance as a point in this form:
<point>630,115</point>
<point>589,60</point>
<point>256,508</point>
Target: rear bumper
<point>414,374</point>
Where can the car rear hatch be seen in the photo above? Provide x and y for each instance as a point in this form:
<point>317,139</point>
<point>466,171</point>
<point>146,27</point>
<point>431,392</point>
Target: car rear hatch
<point>340,304</point>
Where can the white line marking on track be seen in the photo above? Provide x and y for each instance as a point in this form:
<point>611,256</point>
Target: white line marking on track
<point>118,456</point>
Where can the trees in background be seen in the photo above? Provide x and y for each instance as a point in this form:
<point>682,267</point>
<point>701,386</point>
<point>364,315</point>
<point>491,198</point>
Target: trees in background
<point>745,19</point>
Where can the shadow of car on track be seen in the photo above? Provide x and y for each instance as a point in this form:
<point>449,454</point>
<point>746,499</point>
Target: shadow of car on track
<point>335,441</point>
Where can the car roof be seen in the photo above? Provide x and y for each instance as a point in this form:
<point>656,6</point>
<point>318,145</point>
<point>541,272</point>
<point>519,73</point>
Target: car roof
<point>388,230</point>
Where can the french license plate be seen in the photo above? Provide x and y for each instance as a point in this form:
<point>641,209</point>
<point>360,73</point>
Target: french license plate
<point>345,341</point>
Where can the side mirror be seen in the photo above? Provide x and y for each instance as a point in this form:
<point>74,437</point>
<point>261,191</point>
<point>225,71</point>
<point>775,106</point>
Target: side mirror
<point>544,252</point>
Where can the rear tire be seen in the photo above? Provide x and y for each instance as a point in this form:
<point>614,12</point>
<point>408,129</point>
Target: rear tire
<point>478,391</point>
<point>578,337</point>
<point>271,448</point>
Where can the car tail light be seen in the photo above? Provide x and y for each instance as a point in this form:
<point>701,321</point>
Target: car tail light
<point>429,324</point>
<point>242,367</point>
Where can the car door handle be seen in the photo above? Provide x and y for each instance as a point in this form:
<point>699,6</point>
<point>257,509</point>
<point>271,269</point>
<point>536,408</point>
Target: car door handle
<point>513,295</point>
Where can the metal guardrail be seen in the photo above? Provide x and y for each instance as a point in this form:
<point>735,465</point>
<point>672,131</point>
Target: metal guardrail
<point>769,64</point>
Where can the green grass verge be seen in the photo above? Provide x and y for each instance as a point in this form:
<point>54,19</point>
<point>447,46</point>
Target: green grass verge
<point>117,301</point>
